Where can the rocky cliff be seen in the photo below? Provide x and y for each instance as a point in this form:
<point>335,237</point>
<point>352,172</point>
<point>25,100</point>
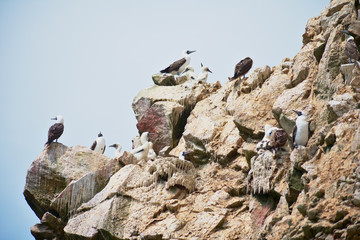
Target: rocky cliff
<point>226,189</point>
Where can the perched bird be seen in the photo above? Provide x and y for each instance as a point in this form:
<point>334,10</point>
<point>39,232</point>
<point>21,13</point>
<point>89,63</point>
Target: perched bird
<point>183,155</point>
<point>180,65</point>
<point>351,49</point>
<point>301,130</point>
<point>141,152</point>
<point>190,75</point>
<point>151,154</point>
<point>204,73</point>
<point>278,138</point>
<point>242,68</point>
<point>264,143</point>
<point>99,144</point>
<point>118,148</point>
<point>56,130</point>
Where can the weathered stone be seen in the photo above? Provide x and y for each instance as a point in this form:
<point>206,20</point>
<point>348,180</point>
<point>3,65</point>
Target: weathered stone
<point>342,104</point>
<point>302,209</point>
<point>163,110</point>
<point>313,214</point>
<point>42,232</point>
<point>257,77</point>
<point>163,119</point>
<point>55,223</point>
<point>354,28</point>
<point>54,169</point>
<point>164,80</point>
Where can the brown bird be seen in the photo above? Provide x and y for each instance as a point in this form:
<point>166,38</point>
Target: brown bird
<point>242,68</point>
<point>278,138</point>
<point>56,130</point>
<point>351,49</point>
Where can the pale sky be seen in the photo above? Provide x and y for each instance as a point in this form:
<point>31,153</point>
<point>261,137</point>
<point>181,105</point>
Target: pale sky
<point>87,60</point>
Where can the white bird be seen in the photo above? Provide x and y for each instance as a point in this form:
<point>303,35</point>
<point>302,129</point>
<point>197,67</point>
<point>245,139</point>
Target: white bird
<point>190,75</point>
<point>151,155</point>
<point>141,153</point>
<point>204,73</point>
<point>264,143</point>
<point>118,148</point>
<point>183,155</point>
<point>99,144</point>
<point>301,130</point>
<point>179,66</point>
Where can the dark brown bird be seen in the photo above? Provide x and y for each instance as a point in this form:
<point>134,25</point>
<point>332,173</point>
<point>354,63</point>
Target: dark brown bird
<point>178,66</point>
<point>56,130</point>
<point>278,138</point>
<point>351,50</point>
<point>242,68</point>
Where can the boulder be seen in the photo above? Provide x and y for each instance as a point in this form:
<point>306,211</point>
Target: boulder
<point>55,168</point>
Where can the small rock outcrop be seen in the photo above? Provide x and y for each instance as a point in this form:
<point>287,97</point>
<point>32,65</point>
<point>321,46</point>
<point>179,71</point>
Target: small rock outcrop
<point>227,188</point>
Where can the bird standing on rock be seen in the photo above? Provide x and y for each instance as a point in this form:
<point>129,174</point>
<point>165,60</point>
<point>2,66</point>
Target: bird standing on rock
<point>301,130</point>
<point>351,49</point>
<point>118,148</point>
<point>242,68</point>
<point>99,144</point>
<point>180,65</point>
<point>204,73</point>
<point>56,130</point>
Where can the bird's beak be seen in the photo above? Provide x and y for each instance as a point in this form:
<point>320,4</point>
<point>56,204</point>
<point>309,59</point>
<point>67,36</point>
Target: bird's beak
<point>189,52</point>
<point>55,118</point>
<point>112,146</point>
<point>209,70</point>
<point>185,71</point>
<point>297,112</point>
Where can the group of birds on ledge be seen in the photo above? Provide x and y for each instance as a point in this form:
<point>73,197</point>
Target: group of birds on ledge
<point>274,138</point>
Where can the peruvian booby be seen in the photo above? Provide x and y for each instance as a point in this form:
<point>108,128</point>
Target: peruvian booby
<point>151,154</point>
<point>190,75</point>
<point>141,152</point>
<point>204,73</point>
<point>180,65</point>
<point>183,155</point>
<point>99,144</point>
<point>264,143</point>
<point>56,130</point>
<point>118,148</point>
<point>242,68</point>
<point>301,130</point>
<point>351,49</point>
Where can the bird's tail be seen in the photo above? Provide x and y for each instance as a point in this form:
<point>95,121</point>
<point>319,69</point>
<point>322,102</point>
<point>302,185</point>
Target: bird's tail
<point>47,144</point>
<point>230,78</point>
<point>164,70</point>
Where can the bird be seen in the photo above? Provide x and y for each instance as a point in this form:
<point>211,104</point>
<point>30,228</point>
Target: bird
<point>183,155</point>
<point>301,130</point>
<point>204,73</point>
<point>179,66</point>
<point>351,49</point>
<point>190,75</point>
<point>118,148</point>
<point>278,138</point>
<point>264,143</point>
<point>141,152</point>
<point>242,68</point>
<point>56,130</point>
<point>99,144</point>
<point>151,154</point>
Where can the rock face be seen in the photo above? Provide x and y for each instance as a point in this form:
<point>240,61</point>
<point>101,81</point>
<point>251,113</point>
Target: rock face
<point>226,189</point>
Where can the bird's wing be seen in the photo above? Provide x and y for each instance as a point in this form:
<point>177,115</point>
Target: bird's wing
<point>352,50</point>
<point>104,149</point>
<point>93,146</point>
<point>55,131</point>
<point>243,67</point>
<point>174,66</point>
<point>294,133</point>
